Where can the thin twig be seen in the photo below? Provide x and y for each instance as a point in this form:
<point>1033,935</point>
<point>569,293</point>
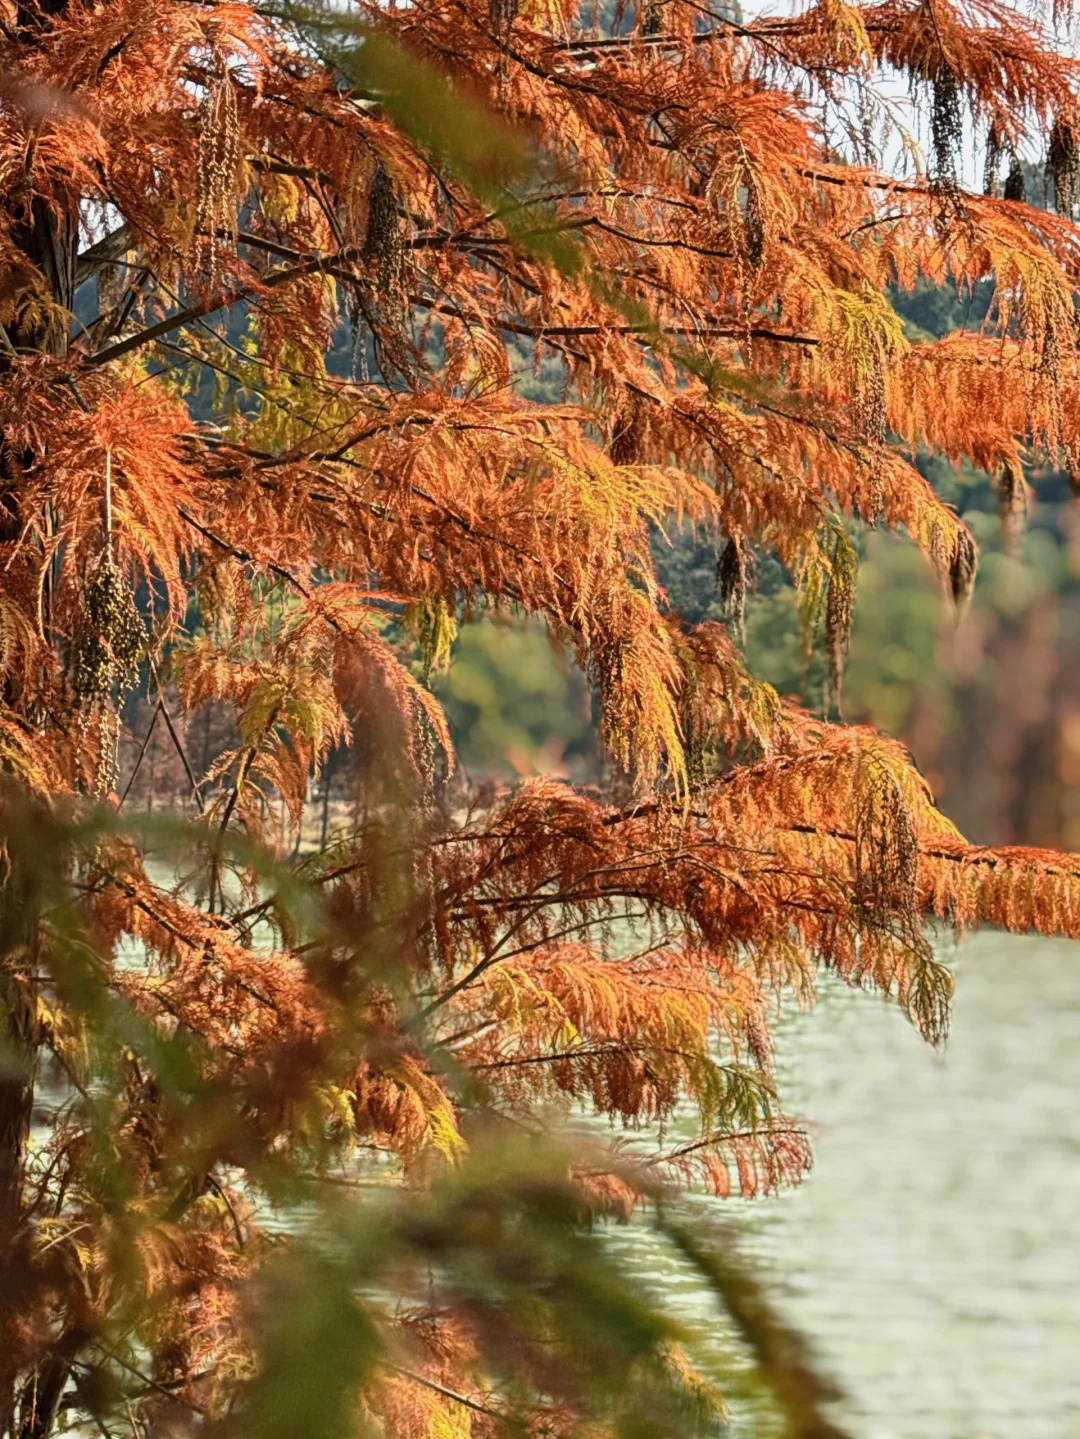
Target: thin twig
<point>141,755</point>
<point>446,1393</point>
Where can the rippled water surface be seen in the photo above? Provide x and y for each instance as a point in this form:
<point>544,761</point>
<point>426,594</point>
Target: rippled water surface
<point>934,1252</point>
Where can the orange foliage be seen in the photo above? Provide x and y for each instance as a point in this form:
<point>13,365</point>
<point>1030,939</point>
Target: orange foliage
<point>716,297</point>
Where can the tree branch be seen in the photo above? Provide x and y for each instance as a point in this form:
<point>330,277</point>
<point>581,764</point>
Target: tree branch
<point>220,300</point>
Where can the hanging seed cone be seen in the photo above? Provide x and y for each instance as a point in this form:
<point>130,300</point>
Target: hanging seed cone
<point>216,166</point>
<point>871,412</point>
<point>946,125</point>
<point>962,569</point>
<point>992,163</point>
<point>731,582</point>
<point>502,14</point>
<point>111,639</point>
<point>628,437</point>
<point>1063,167</point>
<point>695,742</point>
<point>753,224</point>
<point>839,613</point>
<point>110,643</point>
<point>652,22</point>
<point>886,849</point>
<point>1015,188</point>
<point>384,282</point>
<point>382,239</point>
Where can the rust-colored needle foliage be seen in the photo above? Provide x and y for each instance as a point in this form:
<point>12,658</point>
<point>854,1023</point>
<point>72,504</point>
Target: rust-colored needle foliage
<point>698,221</point>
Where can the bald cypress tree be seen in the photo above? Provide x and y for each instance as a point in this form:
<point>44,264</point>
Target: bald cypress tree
<point>695,217</point>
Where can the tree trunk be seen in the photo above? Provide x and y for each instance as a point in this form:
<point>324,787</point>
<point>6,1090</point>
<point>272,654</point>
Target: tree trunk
<point>18,1071</point>
<point>49,243</point>
<point>43,274</point>
<point>18,1056</point>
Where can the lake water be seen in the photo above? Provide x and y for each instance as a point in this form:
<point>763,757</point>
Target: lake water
<point>933,1254</point>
